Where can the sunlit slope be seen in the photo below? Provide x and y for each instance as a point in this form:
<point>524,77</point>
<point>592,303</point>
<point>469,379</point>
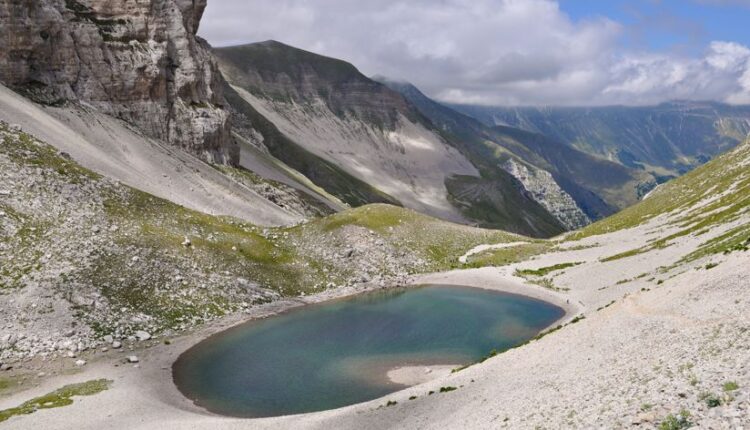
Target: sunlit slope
<point>715,195</point>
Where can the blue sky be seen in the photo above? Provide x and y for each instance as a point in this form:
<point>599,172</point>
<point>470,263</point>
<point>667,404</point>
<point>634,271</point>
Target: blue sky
<point>517,52</point>
<point>686,25</point>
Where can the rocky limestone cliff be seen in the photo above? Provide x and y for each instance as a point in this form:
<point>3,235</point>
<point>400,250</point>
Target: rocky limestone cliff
<point>545,190</point>
<point>137,60</point>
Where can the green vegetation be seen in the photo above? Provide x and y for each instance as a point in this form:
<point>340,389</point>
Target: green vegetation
<point>25,150</point>
<point>506,256</point>
<point>545,283</point>
<point>5,383</point>
<point>59,398</point>
<point>730,386</point>
<point>439,243</point>
<point>682,195</point>
<point>620,256</point>
<point>678,422</point>
<point>494,202</point>
<point>447,389</point>
<point>391,403</point>
<point>710,399</point>
<point>715,194</point>
<point>544,271</point>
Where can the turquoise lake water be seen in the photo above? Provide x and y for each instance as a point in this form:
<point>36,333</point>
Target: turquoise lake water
<point>338,353</point>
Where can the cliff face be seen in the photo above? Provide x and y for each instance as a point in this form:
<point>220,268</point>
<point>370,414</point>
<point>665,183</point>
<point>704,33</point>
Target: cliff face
<point>545,190</point>
<point>137,60</point>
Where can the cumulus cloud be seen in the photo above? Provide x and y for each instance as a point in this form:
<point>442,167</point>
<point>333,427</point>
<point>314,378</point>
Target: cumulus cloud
<point>487,51</point>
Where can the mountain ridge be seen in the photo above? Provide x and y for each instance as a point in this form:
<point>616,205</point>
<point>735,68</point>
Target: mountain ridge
<point>668,139</point>
<point>346,116</point>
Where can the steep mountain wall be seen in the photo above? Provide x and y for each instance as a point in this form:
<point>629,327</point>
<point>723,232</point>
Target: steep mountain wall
<point>352,123</point>
<point>137,60</point>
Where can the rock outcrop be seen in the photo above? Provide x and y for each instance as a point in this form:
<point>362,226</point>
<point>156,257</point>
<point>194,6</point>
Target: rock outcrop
<point>546,191</point>
<point>137,60</point>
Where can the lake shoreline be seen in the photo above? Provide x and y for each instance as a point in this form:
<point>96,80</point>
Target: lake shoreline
<point>396,373</point>
<point>154,373</point>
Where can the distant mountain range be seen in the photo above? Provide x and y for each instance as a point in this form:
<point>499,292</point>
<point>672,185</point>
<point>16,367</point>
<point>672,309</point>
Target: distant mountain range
<point>667,140</point>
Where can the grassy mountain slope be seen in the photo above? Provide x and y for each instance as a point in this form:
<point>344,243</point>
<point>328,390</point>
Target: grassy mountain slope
<point>715,195</point>
<point>668,139</point>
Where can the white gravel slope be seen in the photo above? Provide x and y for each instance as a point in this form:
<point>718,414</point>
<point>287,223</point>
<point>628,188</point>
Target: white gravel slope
<point>110,147</point>
<point>410,164</point>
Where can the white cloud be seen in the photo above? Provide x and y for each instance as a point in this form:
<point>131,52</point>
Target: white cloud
<point>486,51</point>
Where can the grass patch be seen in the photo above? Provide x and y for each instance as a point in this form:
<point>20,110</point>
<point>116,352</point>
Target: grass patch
<point>506,256</point>
<point>710,399</point>
<point>447,389</point>
<point>26,150</point>
<point>626,254</point>
<point>56,399</point>
<point>730,386</point>
<point>544,271</point>
<point>676,422</point>
<point>440,243</point>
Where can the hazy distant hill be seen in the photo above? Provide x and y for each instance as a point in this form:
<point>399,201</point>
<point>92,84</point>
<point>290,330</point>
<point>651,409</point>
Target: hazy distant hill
<point>668,139</point>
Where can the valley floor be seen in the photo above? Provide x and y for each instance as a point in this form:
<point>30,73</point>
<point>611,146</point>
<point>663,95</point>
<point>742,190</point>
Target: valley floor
<point>655,346</point>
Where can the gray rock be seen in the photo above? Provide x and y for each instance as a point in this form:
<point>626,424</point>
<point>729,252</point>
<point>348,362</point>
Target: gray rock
<point>108,339</point>
<point>142,335</point>
<point>80,363</point>
<point>116,344</point>
<point>133,359</point>
<point>173,93</point>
